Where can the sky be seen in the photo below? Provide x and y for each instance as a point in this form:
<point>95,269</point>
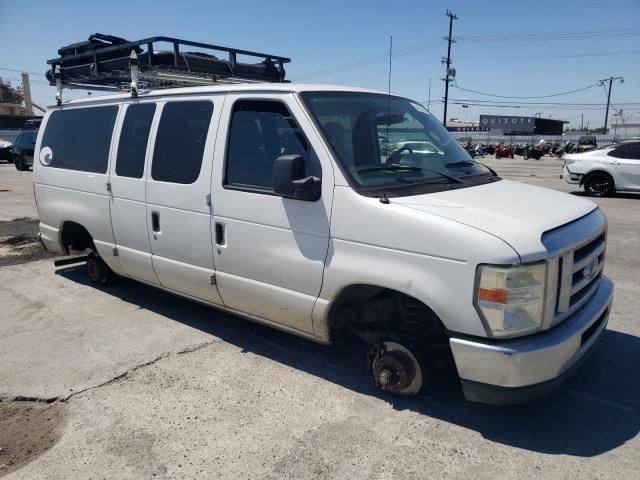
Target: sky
<point>508,48</point>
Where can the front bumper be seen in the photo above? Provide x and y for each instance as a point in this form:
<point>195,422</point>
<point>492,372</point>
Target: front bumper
<point>569,177</point>
<point>511,371</point>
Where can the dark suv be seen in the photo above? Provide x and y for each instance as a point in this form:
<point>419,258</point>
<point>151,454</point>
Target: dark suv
<point>23,149</point>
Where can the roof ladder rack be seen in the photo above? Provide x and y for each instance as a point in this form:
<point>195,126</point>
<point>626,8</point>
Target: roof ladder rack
<point>110,63</point>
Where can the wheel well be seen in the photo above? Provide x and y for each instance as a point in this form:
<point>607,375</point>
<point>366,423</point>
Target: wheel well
<point>75,235</point>
<point>593,172</point>
<point>373,313</point>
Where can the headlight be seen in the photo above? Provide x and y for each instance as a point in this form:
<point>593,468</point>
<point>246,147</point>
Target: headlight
<point>511,299</point>
<point>569,162</point>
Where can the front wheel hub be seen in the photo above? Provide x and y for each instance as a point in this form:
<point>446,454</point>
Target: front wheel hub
<point>395,369</point>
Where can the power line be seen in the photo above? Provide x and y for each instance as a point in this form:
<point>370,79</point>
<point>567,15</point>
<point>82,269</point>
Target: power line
<point>518,106</point>
<point>565,35</point>
<point>538,96</point>
<point>491,102</point>
<point>382,58</point>
<point>605,6</point>
<point>550,56</point>
<point>21,71</point>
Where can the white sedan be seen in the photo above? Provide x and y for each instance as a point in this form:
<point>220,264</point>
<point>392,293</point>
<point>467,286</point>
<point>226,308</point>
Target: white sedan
<point>604,170</point>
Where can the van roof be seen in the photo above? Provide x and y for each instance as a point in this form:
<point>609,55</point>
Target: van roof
<point>223,88</point>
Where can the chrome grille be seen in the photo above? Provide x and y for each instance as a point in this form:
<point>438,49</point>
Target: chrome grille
<point>575,267</point>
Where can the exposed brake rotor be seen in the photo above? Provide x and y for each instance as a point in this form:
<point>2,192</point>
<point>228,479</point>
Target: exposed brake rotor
<point>395,369</point>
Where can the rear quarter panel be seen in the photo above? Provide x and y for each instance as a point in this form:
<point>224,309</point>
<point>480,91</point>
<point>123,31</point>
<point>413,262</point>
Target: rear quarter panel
<point>72,196</point>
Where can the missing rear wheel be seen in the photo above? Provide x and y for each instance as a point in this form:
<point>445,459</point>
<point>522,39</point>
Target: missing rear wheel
<point>99,272</point>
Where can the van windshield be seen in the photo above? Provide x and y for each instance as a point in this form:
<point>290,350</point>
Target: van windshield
<point>391,143</point>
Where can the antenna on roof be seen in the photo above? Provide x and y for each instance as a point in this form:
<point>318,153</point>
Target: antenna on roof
<point>384,198</point>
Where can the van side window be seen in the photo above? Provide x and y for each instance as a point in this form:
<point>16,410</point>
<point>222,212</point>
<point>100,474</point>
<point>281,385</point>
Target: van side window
<point>80,138</point>
<point>182,134</point>
<point>133,140</point>
<point>260,132</point>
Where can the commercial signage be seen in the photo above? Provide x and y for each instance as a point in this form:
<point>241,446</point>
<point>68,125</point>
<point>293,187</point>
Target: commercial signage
<point>508,122</point>
<point>480,128</point>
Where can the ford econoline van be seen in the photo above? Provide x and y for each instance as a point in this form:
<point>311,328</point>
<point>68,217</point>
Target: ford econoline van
<point>308,208</point>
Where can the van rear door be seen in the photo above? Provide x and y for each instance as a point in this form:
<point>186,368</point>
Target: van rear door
<point>178,201</point>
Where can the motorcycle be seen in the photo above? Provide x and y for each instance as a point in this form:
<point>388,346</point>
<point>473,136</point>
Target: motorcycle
<point>520,148</point>
<point>534,152</point>
<point>490,149</point>
<point>504,151</point>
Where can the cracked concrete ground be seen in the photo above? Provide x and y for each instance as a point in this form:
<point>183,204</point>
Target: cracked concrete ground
<point>142,384</point>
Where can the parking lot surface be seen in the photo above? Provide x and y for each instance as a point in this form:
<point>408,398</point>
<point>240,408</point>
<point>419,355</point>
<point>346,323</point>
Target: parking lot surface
<point>127,381</point>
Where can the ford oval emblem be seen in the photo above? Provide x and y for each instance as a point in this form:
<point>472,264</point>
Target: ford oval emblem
<point>591,268</point>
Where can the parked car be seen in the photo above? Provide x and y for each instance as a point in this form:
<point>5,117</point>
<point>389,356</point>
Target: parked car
<point>415,147</point>
<point>5,150</point>
<point>604,170</point>
<point>22,152</point>
<point>275,202</point>
<point>586,143</point>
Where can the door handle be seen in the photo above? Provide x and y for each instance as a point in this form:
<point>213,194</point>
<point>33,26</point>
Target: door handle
<point>220,234</point>
<point>155,222</point>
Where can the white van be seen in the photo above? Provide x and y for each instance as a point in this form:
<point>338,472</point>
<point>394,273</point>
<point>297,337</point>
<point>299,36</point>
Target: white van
<point>290,205</point>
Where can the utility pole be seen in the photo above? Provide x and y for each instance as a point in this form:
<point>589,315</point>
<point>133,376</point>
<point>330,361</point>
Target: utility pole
<point>429,99</point>
<point>26,92</point>
<point>452,17</point>
<point>601,82</point>
<point>582,121</point>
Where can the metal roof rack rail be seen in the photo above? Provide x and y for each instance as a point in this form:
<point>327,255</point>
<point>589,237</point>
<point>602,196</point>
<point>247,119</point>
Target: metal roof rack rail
<point>105,62</point>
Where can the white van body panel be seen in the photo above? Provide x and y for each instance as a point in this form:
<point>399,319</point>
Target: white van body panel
<point>73,196</point>
<point>515,212</point>
<point>272,259</point>
<point>425,256</point>
<point>129,213</point>
<point>182,252</point>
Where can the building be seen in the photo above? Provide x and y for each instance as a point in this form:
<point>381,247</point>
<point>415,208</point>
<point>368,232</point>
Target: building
<point>516,125</point>
<point>10,100</point>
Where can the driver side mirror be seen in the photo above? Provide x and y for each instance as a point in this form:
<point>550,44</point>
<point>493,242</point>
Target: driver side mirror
<point>289,180</point>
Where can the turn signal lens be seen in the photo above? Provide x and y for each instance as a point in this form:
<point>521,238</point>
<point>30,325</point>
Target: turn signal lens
<point>492,295</point>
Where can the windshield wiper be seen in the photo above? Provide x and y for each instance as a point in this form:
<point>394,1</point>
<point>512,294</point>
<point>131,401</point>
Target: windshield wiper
<point>394,167</point>
<point>466,162</point>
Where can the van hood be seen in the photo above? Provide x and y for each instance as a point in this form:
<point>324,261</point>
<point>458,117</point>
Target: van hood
<point>515,212</point>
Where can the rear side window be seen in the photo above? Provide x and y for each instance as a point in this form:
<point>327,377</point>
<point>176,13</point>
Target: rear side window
<point>630,151</point>
<point>132,148</point>
<point>79,138</point>
<point>182,134</point>
<point>26,139</point>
